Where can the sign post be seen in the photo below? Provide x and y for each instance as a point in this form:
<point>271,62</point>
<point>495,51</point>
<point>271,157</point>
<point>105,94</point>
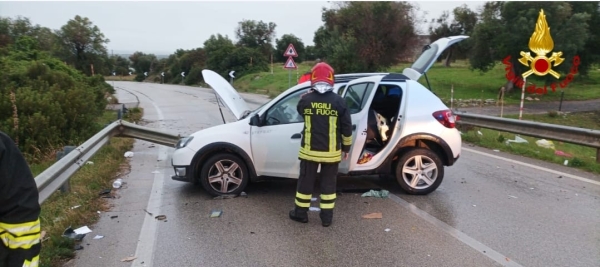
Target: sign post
<point>232,76</point>
<point>182,76</point>
<point>290,52</point>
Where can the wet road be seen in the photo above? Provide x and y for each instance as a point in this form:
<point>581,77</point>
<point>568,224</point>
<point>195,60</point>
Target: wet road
<point>492,209</point>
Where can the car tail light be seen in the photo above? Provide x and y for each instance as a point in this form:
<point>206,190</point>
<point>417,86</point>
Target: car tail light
<point>446,118</point>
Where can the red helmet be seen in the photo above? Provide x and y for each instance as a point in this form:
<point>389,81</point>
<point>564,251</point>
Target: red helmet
<point>322,77</point>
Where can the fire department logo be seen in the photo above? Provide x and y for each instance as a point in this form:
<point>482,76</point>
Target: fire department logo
<point>541,44</point>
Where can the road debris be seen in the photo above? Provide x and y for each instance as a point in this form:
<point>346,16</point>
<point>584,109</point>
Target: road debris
<point>161,217</point>
<point>216,213</point>
<point>545,143</point>
<point>69,233</point>
<point>74,207</point>
<point>78,247</point>
<point>114,216</point>
<point>517,139</point>
<point>379,194</point>
<point>149,213</point>
<point>128,259</point>
<point>243,194</point>
<point>563,154</point>
<point>89,163</point>
<point>128,154</point>
<point>98,237</point>
<point>512,196</point>
<point>82,230</point>
<point>496,150</point>
<point>387,229</point>
<point>105,192</point>
<point>374,215</point>
<point>314,209</point>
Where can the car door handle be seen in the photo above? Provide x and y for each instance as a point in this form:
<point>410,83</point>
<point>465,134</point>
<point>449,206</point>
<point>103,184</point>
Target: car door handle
<point>296,136</point>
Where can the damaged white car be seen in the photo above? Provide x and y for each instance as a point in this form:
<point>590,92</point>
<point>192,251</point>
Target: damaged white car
<point>400,128</point>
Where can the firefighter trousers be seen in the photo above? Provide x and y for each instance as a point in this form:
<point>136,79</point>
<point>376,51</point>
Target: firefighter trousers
<point>306,184</point>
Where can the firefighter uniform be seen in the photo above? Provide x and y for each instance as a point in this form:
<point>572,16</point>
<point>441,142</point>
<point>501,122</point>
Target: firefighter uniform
<point>19,209</point>
<point>327,133</point>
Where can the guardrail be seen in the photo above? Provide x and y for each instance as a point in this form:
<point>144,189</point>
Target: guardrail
<point>567,134</point>
<point>57,176</point>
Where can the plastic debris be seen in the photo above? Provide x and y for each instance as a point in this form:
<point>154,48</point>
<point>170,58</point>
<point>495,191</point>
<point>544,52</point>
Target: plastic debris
<point>118,183</point>
<point>496,150</point>
<point>479,133</point>
<point>215,213</point>
<point>314,209</point>
<point>387,229</point>
<point>474,205</point>
<point>89,163</point>
<point>128,154</point>
<point>128,259</point>
<point>517,139</point>
<point>545,143</point>
<point>512,196</point>
<point>82,230</point>
<point>566,162</point>
<point>374,215</point>
<point>74,207</point>
<point>561,153</point>
<point>373,193</point>
<point>161,217</point>
<point>98,237</point>
<point>69,233</point>
<point>98,212</point>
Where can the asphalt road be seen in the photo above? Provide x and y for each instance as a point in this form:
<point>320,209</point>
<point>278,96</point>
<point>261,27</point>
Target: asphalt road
<point>493,209</point>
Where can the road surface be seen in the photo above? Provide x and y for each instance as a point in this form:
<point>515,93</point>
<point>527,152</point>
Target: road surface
<point>492,209</point>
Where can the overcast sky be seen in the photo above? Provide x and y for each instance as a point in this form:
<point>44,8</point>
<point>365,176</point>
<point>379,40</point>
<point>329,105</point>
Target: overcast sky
<point>163,27</point>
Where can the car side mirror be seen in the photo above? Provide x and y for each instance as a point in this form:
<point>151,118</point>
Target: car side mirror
<point>255,120</point>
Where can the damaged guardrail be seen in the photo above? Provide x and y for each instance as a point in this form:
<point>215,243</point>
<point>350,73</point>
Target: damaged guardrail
<point>58,175</point>
<point>567,134</point>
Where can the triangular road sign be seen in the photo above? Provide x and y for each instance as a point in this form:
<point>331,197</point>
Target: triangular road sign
<point>290,51</point>
<point>290,64</point>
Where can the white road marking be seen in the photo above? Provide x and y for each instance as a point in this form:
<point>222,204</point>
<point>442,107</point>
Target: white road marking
<point>566,175</point>
<point>483,249</point>
<point>145,247</point>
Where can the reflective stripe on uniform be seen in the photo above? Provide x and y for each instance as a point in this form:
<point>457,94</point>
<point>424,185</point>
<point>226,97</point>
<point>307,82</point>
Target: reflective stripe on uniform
<point>332,133</point>
<point>20,235</point>
<point>320,156</point>
<point>303,200</point>
<point>327,201</point>
<point>33,263</point>
<point>346,140</point>
<point>307,132</point>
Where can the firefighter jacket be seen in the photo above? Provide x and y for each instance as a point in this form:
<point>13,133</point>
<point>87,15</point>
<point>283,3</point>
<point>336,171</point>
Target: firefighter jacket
<point>19,208</point>
<point>327,127</point>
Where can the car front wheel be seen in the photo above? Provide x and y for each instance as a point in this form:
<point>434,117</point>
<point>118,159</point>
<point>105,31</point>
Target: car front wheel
<point>224,174</point>
<point>419,171</point>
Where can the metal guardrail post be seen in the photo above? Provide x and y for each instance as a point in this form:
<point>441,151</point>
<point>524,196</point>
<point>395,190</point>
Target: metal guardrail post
<point>598,155</point>
<point>66,187</point>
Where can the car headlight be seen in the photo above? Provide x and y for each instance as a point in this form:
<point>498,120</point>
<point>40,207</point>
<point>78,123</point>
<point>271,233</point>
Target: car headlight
<point>183,142</point>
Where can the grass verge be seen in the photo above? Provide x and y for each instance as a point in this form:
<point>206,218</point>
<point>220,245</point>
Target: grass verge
<point>86,183</point>
<point>467,84</point>
<point>578,156</point>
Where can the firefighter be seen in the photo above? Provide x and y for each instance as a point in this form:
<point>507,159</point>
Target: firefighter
<point>19,209</point>
<point>327,134</point>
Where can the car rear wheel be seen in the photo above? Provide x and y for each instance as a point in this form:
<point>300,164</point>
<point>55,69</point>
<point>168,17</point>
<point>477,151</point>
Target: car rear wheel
<point>224,174</point>
<point>419,171</point>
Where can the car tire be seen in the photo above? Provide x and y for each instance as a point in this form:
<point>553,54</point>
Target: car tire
<point>424,164</point>
<point>217,171</point>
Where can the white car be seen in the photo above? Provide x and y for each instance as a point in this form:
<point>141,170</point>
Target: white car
<point>399,128</point>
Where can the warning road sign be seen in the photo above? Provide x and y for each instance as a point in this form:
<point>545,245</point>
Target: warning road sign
<point>290,64</point>
<point>290,51</point>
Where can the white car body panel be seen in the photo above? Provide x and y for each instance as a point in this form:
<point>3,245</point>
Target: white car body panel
<point>226,92</point>
<point>429,56</point>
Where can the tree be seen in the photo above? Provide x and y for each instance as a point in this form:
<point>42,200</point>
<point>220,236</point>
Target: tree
<point>257,35</point>
<point>120,65</point>
<point>367,36</point>
<point>218,48</point>
<point>83,43</point>
<point>282,45</point>
<point>142,62</point>
<point>463,23</point>
<point>506,27</point>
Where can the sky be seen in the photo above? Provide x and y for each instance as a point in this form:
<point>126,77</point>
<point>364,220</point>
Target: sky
<point>163,27</point>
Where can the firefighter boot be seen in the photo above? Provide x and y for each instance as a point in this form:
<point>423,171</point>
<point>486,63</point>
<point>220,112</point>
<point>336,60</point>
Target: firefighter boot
<point>299,214</point>
<point>326,217</point>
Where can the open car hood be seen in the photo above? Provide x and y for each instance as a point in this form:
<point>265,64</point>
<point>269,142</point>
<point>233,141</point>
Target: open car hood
<point>230,96</point>
<point>429,55</point>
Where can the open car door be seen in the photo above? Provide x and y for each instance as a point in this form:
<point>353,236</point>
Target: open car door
<point>358,96</point>
<point>230,96</point>
<point>430,54</point>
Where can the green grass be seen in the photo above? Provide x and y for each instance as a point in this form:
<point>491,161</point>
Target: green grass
<point>467,84</point>
<point>86,183</point>
<point>582,157</point>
